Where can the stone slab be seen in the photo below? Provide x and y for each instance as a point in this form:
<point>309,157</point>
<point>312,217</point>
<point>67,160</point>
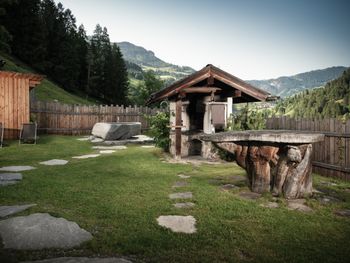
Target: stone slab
<point>325,200</point>
<point>40,231</point>
<point>185,195</point>
<point>249,195</point>
<point>5,183</point>
<point>107,151</point>
<point>344,212</point>
<point>178,224</point>
<point>81,260</point>
<point>13,209</point>
<point>137,139</point>
<point>277,136</point>
<point>10,176</point>
<point>148,146</point>
<point>270,205</point>
<point>96,140</point>
<point>116,147</point>
<point>184,205</point>
<point>54,162</point>
<point>228,187</point>
<point>84,138</point>
<point>183,176</point>
<point>180,184</point>
<point>299,205</point>
<point>18,168</point>
<point>86,156</point>
<point>116,130</point>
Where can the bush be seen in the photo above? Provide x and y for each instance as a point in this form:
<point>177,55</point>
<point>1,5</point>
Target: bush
<point>159,129</point>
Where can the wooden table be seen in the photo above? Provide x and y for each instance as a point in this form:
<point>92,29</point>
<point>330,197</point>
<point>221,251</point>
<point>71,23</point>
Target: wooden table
<point>275,160</point>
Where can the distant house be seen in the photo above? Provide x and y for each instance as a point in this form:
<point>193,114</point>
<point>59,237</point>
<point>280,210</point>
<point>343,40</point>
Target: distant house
<point>202,103</point>
<point>14,100</point>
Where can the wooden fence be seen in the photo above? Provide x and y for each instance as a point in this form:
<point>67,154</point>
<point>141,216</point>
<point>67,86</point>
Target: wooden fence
<point>56,118</point>
<point>331,157</point>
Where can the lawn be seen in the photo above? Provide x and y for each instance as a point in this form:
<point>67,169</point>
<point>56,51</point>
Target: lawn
<point>118,197</point>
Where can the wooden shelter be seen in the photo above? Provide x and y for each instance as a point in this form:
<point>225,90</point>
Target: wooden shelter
<point>202,103</point>
<point>14,100</point>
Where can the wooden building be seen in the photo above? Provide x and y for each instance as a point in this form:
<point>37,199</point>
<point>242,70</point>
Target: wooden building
<point>14,100</point>
<point>202,103</point>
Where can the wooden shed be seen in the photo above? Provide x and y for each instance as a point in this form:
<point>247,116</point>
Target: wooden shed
<point>14,100</point>
<point>202,103</point>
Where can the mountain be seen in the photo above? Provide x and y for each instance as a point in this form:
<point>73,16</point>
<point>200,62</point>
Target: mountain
<point>287,86</point>
<point>147,60</point>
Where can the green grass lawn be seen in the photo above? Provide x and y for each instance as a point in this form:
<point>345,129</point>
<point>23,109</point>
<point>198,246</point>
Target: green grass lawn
<point>118,197</point>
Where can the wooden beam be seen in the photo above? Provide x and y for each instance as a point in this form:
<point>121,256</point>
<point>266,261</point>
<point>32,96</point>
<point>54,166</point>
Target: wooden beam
<point>237,94</point>
<point>201,90</point>
<point>178,113</point>
<point>210,80</point>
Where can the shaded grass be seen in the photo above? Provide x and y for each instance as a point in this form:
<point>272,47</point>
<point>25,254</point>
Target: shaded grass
<point>118,198</point>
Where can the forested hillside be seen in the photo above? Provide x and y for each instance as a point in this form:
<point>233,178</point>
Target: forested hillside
<point>45,36</point>
<point>332,101</point>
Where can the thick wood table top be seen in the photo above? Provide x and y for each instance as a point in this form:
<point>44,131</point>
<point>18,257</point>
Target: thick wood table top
<point>272,136</point>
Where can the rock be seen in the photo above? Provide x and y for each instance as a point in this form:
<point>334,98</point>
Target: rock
<point>107,151</point>
<point>183,176</point>
<point>96,140</point>
<point>10,177</point>
<point>184,205</point>
<point>116,130</point>
<point>86,156</point>
<point>299,205</point>
<point>116,147</point>
<point>228,187</point>
<point>185,195</point>
<point>270,205</point>
<point>178,224</point>
<point>180,184</point>
<point>13,209</point>
<point>249,195</point>
<point>16,168</point>
<point>81,260</point>
<point>328,200</point>
<point>55,162</point>
<point>345,212</point>
<point>40,231</point>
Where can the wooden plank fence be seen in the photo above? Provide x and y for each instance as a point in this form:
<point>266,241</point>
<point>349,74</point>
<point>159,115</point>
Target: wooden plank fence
<point>57,118</point>
<point>331,157</point>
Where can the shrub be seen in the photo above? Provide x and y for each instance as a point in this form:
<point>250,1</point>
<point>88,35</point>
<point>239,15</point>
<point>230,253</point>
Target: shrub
<point>159,129</point>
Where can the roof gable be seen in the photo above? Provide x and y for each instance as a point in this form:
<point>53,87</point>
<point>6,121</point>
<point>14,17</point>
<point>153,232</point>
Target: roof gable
<point>211,73</point>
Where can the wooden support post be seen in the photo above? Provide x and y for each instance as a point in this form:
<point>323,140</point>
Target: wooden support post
<point>178,124</point>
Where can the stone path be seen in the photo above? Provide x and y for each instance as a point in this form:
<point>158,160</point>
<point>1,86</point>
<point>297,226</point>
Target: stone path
<point>180,184</point>
<point>86,156</point>
<point>148,146</point>
<point>16,168</point>
<point>344,212</point>
<point>13,209</point>
<point>249,195</point>
<point>185,195</point>
<point>183,176</point>
<point>270,205</point>
<point>184,205</point>
<point>299,205</point>
<point>54,162</point>
<point>115,147</point>
<point>107,151</point>
<point>10,178</point>
<point>179,224</point>
<point>228,187</point>
<point>87,138</point>
<point>39,231</point>
<point>81,260</point>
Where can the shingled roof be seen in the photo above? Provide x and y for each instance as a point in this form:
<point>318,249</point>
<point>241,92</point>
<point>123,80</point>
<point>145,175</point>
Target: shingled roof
<point>214,76</point>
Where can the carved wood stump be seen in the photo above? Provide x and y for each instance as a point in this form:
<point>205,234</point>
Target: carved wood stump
<point>283,169</point>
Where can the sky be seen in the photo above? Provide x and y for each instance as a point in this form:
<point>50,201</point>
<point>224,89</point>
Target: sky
<point>252,39</point>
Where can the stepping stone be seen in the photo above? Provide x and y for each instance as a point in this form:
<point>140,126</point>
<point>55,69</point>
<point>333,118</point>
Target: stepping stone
<point>16,168</point>
<point>228,187</point>
<point>325,200</point>
<point>184,205</point>
<point>148,146</point>
<point>86,156</point>
<point>186,195</point>
<point>237,178</point>
<point>183,176</point>
<point>83,139</point>
<point>10,176</point>
<point>299,205</point>
<point>13,209</point>
<point>249,195</point>
<point>178,224</point>
<point>107,151</point>
<point>55,162</point>
<point>81,260</point>
<point>180,184</point>
<point>96,140</point>
<point>115,147</point>
<point>270,205</point>
<point>5,183</point>
<point>40,231</point>
<point>345,212</point>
